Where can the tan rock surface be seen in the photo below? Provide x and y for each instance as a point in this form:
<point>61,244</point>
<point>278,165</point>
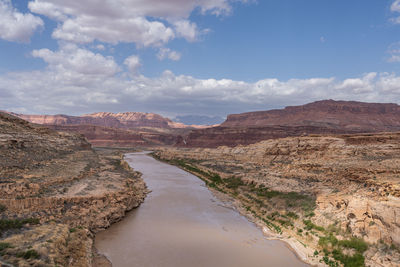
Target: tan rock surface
<point>354,179</point>
<point>55,192</point>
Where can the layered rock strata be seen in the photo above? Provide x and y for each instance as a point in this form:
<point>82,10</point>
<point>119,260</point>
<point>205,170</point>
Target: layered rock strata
<point>56,192</point>
<point>337,195</point>
<point>321,117</point>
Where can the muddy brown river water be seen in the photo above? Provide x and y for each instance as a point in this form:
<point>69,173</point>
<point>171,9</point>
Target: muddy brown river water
<point>181,224</point>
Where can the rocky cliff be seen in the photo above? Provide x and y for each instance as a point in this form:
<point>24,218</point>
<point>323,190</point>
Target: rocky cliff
<point>337,195</point>
<point>349,115</point>
<point>321,117</point>
<point>56,192</point>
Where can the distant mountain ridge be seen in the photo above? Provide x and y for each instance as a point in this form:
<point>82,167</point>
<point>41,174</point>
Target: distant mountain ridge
<point>125,120</point>
<point>127,129</point>
<point>320,117</point>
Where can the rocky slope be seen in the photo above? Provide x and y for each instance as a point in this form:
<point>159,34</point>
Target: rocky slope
<point>338,196</point>
<point>56,192</point>
<point>321,117</point>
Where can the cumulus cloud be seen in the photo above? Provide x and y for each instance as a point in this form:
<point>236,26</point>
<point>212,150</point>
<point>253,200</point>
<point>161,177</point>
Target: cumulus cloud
<point>187,30</point>
<point>395,8</point>
<point>71,59</point>
<point>16,26</point>
<point>133,63</point>
<point>164,53</point>
<point>80,81</point>
<point>117,21</point>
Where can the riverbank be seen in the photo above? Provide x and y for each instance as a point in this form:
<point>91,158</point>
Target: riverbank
<point>182,223</point>
<point>298,248</point>
<point>338,195</point>
<point>90,192</point>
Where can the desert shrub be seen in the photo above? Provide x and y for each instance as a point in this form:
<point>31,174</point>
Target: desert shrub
<point>355,243</point>
<point>356,260</point>
<point>29,254</point>
<point>4,245</point>
<point>2,208</point>
<point>16,224</point>
<point>292,215</point>
<point>233,182</point>
<point>310,226</point>
<point>325,241</point>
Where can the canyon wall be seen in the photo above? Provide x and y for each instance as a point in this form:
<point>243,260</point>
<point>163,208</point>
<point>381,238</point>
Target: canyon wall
<point>56,192</point>
<point>354,181</point>
<point>321,117</point>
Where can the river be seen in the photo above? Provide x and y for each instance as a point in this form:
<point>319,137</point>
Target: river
<point>181,224</point>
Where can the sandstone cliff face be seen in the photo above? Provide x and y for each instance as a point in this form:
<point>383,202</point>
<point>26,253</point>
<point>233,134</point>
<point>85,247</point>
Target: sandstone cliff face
<point>55,192</point>
<point>354,180</point>
<point>348,115</point>
<point>322,117</point>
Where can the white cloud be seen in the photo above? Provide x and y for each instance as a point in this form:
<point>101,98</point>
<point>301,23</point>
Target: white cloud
<point>79,81</point>
<point>164,53</point>
<point>137,30</point>
<point>71,59</point>
<point>187,30</point>
<point>133,63</point>
<point>83,21</point>
<point>16,26</point>
<point>395,8</point>
<point>394,52</point>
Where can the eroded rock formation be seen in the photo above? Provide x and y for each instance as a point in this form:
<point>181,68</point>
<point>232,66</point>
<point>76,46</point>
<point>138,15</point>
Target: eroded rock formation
<point>56,192</point>
<point>353,181</point>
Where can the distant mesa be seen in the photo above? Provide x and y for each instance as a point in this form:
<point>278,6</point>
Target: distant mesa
<point>321,117</point>
<point>130,129</point>
<point>126,120</point>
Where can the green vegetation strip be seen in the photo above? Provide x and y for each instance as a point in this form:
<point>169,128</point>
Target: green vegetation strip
<point>16,224</point>
<point>332,247</point>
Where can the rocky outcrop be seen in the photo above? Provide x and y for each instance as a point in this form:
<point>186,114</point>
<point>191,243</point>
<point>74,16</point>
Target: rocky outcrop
<point>55,192</point>
<point>321,117</point>
<point>352,179</point>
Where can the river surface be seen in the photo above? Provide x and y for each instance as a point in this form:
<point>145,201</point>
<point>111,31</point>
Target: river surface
<point>181,224</point>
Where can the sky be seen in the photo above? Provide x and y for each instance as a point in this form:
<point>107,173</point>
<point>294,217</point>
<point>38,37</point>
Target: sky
<point>195,57</point>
